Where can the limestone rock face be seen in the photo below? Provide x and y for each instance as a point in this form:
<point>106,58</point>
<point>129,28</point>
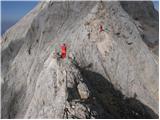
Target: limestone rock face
<point>111,74</point>
<point>83,90</point>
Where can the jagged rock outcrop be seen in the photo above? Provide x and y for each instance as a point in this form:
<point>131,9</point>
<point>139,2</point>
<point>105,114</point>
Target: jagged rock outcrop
<point>115,74</point>
<point>83,91</point>
<point>59,84</point>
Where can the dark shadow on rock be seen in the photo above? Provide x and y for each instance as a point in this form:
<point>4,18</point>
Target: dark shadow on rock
<point>14,103</point>
<point>72,94</point>
<point>114,103</point>
<point>9,53</point>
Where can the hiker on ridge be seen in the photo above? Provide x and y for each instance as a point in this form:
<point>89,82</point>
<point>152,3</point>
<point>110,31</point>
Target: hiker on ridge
<point>101,28</point>
<point>63,51</point>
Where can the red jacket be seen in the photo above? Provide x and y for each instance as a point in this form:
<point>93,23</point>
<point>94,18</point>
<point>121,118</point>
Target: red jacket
<point>63,49</point>
<point>101,28</point>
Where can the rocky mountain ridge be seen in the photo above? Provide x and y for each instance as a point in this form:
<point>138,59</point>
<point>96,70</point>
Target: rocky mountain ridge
<point>116,75</point>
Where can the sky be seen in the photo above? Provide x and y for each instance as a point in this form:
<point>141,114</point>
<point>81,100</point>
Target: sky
<point>13,11</point>
<point>156,5</point>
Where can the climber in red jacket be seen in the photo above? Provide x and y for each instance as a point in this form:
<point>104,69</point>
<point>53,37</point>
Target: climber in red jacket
<point>63,51</point>
<point>101,28</point>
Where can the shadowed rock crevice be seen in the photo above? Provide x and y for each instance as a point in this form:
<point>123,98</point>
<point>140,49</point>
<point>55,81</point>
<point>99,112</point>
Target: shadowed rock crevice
<point>9,53</point>
<point>113,101</point>
<point>72,94</point>
<point>13,104</point>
